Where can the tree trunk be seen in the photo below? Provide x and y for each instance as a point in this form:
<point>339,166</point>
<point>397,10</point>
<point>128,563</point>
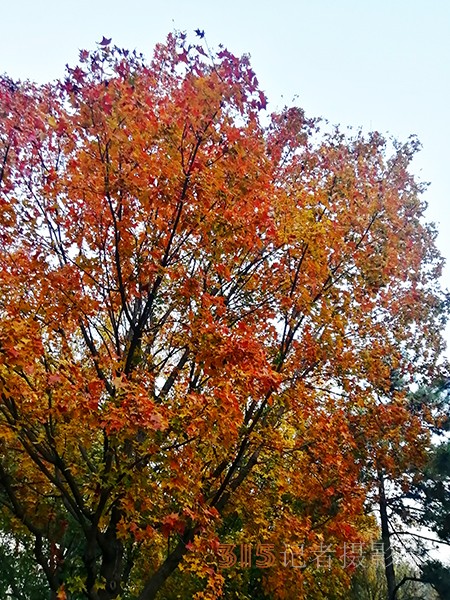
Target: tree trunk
<point>158,579</point>
<point>386,539</point>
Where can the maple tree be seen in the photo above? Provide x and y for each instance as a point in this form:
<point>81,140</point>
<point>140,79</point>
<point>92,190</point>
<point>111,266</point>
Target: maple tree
<point>200,314</point>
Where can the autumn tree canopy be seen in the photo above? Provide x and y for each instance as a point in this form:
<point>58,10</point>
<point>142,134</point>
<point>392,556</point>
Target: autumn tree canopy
<point>202,306</point>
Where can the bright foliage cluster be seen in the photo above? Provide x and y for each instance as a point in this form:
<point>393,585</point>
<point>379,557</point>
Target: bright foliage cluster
<point>202,313</point>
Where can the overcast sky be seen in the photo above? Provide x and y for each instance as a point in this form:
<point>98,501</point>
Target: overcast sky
<point>380,64</point>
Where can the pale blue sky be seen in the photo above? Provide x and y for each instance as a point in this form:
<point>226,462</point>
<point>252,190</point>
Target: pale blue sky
<point>381,64</point>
